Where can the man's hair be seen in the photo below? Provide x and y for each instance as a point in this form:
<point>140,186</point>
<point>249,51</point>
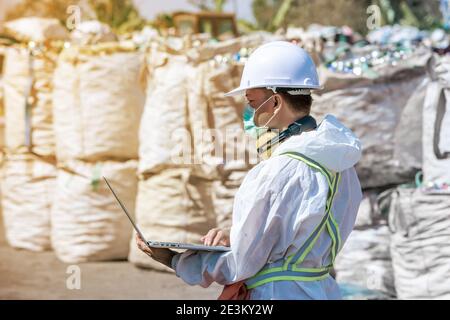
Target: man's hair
<point>300,103</point>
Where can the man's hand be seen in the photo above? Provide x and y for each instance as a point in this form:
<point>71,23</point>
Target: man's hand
<point>162,255</point>
<point>216,237</point>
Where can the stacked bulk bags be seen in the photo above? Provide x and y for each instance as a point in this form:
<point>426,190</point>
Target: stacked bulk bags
<point>174,193</point>
<point>29,173</point>
<point>365,260</point>
<point>235,152</point>
<point>28,101</point>
<point>231,151</point>
<point>420,217</point>
<point>192,146</point>
<point>382,111</point>
<point>98,101</point>
<point>224,143</point>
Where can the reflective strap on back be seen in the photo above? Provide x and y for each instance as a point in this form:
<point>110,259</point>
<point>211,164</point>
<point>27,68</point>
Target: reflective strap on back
<point>288,269</point>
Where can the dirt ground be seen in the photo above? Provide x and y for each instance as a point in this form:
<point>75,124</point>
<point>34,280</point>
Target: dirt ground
<point>31,275</point>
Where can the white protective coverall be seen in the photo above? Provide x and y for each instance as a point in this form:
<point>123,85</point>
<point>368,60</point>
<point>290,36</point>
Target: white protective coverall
<point>278,205</point>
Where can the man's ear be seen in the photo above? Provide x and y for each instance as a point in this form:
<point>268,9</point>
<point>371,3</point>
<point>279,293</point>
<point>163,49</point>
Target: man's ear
<point>277,101</point>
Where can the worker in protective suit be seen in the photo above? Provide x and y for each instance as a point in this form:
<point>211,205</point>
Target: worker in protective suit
<point>295,209</point>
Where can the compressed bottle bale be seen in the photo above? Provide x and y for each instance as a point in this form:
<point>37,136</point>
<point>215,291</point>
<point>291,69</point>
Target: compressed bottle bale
<point>98,102</point>
<point>365,259</point>
<point>436,125</point>
<point>420,244</point>
<point>28,187</point>
<point>383,113</point>
<point>28,100</point>
<point>87,222</point>
<point>173,205</point>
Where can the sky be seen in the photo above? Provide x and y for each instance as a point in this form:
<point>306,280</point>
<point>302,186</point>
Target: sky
<point>150,8</point>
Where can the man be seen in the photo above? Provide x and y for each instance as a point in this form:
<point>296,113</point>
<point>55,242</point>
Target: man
<point>294,210</point>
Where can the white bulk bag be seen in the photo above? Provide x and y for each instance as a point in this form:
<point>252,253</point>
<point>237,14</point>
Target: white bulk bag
<point>173,205</point>
<point>165,135</point>
<point>28,188</point>
<point>87,222</point>
<point>28,77</point>
<point>420,244</point>
<point>98,102</point>
<point>436,125</point>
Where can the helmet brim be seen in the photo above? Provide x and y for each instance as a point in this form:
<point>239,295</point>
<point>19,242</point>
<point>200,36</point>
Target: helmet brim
<point>240,90</point>
<point>235,92</point>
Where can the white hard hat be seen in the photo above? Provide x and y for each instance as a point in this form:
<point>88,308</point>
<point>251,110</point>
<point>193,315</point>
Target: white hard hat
<point>278,64</point>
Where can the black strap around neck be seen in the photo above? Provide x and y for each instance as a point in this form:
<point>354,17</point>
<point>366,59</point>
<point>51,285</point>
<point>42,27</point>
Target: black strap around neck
<point>295,128</point>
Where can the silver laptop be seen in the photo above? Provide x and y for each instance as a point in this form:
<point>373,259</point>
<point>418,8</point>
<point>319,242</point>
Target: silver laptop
<point>159,244</point>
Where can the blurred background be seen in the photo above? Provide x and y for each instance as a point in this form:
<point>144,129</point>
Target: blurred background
<point>133,91</point>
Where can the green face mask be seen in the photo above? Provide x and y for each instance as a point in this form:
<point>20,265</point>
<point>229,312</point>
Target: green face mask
<point>248,117</point>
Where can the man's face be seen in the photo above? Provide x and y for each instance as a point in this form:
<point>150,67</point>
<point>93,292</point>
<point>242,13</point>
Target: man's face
<point>255,98</point>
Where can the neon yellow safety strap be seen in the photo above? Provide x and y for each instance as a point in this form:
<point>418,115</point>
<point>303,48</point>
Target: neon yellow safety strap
<point>288,269</point>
